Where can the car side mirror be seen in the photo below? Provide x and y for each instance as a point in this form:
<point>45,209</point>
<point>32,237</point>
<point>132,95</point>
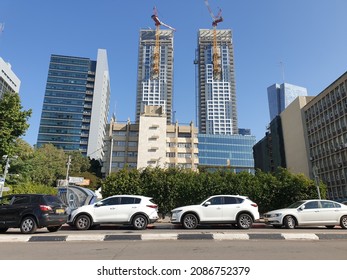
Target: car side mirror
<point>207,203</point>
<point>302,207</point>
<point>98,204</point>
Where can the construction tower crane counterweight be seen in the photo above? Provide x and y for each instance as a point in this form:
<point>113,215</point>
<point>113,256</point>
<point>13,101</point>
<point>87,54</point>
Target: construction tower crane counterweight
<point>216,53</point>
<point>156,54</point>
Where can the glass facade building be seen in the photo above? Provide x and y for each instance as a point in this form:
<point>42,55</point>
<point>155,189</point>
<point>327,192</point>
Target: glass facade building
<point>280,96</point>
<point>229,151</point>
<point>72,104</point>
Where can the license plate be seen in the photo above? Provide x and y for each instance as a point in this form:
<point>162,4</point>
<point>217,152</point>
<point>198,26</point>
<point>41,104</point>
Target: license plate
<point>59,211</point>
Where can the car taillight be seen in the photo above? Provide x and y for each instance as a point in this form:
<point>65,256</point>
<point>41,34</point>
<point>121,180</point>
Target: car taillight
<point>254,205</point>
<point>152,206</point>
<point>45,208</point>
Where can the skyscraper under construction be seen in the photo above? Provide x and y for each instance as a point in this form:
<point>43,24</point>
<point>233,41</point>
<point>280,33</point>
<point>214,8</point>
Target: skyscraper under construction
<point>155,71</point>
<point>216,95</point>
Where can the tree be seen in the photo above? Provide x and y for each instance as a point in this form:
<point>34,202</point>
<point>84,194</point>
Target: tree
<point>13,122</point>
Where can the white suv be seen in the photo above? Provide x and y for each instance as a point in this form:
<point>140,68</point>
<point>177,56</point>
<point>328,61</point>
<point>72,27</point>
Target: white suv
<point>135,210</point>
<point>218,209</point>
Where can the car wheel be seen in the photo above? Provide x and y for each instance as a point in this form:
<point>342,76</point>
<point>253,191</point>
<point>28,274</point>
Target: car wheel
<point>343,222</point>
<point>140,222</point>
<point>82,222</point>
<point>190,221</point>
<point>289,222</point>
<point>244,221</point>
<point>54,229</point>
<point>28,225</point>
<point>2,230</point>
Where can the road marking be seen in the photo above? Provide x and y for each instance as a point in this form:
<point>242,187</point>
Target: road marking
<point>160,236</point>
<point>300,236</point>
<point>230,236</point>
<point>94,237</point>
<point>14,238</point>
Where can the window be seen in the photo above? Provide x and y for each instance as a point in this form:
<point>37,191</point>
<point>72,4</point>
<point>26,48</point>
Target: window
<point>21,200</point>
<point>111,201</point>
<point>130,200</point>
<point>231,200</point>
<point>216,200</point>
<point>311,205</point>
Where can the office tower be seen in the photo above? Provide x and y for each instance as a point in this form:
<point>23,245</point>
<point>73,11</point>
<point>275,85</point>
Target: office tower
<point>76,104</point>
<point>216,96</point>
<point>280,96</point>
<point>8,79</point>
<point>155,88</point>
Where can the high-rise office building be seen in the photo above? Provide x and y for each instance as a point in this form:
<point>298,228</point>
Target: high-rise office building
<point>155,77</point>
<point>280,96</point>
<point>216,95</point>
<point>8,79</point>
<point>76,104</point>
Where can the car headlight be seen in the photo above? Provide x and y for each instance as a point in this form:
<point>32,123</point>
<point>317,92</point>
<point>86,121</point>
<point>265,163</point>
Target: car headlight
<point>176,211</point>
<point>276,215</point>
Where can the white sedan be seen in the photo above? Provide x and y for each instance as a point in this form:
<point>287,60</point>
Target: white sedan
<point>313,212</point>
<point>219,209</point>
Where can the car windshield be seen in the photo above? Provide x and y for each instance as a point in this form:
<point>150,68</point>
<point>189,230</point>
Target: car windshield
<point>296,204</point>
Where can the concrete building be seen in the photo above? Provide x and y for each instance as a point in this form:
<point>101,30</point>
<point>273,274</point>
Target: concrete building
<point>8,79</point>
<point>216,94</point>
<point>150,143</point>
<point>326,123</point>
<point>280,96</point>
<point>293,127</point>
<point>155,88</point>
<point>76,104</point>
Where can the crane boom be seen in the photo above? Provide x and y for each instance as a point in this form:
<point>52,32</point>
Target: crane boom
<point>156,54</point>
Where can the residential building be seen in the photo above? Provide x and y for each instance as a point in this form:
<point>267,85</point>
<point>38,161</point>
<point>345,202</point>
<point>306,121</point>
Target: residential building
<point>280,96</point>
<point>8,79</point>
<point>325,119</point>
<point>76,104</point>
<point>216,94</point>
<point>233,152</point>
<point>150,143</point>
<point>155,88</point>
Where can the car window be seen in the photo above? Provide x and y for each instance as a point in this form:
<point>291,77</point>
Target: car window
<point>231,200</point>
<point>6,200</point>
<point>312,205</point>
<point>327,204</point>
<point>111,201</point>
<point>21,200</point>
<point>216,200</point>
<point>337,205</point>
<point>130,200</point>
<point>51,199</point>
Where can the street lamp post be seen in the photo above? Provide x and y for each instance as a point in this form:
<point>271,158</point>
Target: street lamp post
<point>316,179</point>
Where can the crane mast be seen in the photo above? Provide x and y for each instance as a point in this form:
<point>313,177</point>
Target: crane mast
<point>216,53</point>
<point>156,53</point>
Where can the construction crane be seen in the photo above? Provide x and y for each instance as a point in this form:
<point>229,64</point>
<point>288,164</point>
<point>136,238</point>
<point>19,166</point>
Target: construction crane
<point>216,56</point>
<point>156,55</point>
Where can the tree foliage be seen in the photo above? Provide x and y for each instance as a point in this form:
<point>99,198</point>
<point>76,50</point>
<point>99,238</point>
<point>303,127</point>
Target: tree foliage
<point>13,122</point>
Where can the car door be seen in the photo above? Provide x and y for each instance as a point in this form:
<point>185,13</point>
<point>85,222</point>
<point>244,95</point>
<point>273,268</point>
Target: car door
<point>231,206</point>
<point>127,207</point>
<point>212,211</point>
<point>106,210</point>
<point>5,210</point>
<point>329,212</point>
<point>310,214</point>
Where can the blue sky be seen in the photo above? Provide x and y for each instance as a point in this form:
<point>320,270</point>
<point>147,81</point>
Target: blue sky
<point>308,36</point>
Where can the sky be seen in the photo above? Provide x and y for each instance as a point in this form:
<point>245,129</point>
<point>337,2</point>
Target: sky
<point>301,42</point>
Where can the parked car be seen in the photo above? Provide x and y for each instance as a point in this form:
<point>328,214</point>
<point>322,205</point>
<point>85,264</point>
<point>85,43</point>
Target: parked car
<point>32,211</point>
<point>313,212</point>
<point>218,209</point>
<point>135,210</point>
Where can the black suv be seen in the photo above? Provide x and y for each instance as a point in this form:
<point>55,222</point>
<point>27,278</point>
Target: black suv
<point>32,211</point>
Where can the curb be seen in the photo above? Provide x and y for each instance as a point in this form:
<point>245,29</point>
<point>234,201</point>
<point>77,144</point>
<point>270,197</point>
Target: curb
<point>170,236</point>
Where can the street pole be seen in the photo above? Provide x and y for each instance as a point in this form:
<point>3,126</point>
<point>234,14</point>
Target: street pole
<point>67,180</point>
<point>7,166</point>
<point>316,179</point>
